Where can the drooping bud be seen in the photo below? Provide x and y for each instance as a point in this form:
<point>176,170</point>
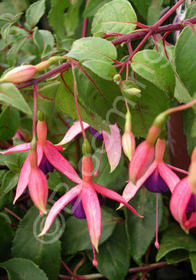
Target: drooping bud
<point>19,74</point>
<point>141,160</point>
<point>38,186</point>
<point>117,79</point>
<point>192,172</point>
<point>128,140</point>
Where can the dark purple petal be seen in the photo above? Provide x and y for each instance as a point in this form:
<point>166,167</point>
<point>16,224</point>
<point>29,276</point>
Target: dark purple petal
<point>191,206</point>
<point>45,165</point>
<point>96,134</point>
<point>77,207</point>
<point>155,183</point>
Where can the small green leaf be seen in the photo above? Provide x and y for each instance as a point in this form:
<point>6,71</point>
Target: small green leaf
<point>71,17</point>
<point>141,231</point>
<point>35,12</point>
<point>9,122</point>
<point>102,69</point>
<point>20,269</point>
<point>189,121</point>
<point>155,68</point>
<point>45,251</point>
<point>113,256</point>
<point>115,16</point>
<point>173,239</point>
<point>44,41</point>
<point>154,11</point>
<point>177,256</point>
<point>12,96</point>
<point>76,236</point>
<point>9,181</point>
<point>142,7</point>
<point>185,58</point>
<point>93,48</point>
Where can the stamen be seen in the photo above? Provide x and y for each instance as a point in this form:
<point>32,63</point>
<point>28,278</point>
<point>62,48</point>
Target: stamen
<point>156,244</point>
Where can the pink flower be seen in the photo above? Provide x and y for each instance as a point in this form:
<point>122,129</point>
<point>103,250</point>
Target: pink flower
<point>183,204</point>
<point>47,156</point>
<point>158,177</point>
<point>87,193</point>
<point>38,186</point>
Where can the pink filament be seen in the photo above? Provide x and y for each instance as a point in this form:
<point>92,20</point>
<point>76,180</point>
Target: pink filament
<point>156,244</point>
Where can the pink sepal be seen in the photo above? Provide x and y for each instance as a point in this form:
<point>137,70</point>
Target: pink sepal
<point>18,148</point>
<point>113,146</point>
<point>115,196</point>
<point>170,178</point>
<point>60,163</point>
<point>72,132</point>
<point>25,172</point>
<point>178,204</point>
<point>92,211</point>
<point>59,205</point>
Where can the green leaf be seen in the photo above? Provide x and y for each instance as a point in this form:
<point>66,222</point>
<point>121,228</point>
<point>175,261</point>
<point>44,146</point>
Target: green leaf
<point>141,231</point>
<point>20,269</point>
<point>102,69</point>
<point>71,17</point>
<point>35,12</point>
<point>93,6</point>
<point>44,251</point>
<point>154,11</point>
<point>185,58</point>
<point>57,17</point>
<point>115,16</point>
<point>46,99</point>
<point>66,103</point>
<point>9,122</point>
<point>93,48</point>
<point>177,256</point>
<point>192,256</point>
<point>173,239</point>
<point>105,178</point>
<point>76,237</point>
<point>9,181</point>
<point>191,11</point>
<point>155,68</point>
<point>9,94</point>
<point>6,235</point>
<point>44,41</point>
<point>113,256</point>
<point>142,7</point>
<point>145,107</point>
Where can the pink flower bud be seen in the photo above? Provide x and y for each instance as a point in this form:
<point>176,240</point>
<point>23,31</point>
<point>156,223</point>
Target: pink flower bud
<point>128,144</point>
<point>141,160</point>
<point>20,74</point>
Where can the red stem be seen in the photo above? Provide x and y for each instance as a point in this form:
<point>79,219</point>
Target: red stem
<point>35,93</point>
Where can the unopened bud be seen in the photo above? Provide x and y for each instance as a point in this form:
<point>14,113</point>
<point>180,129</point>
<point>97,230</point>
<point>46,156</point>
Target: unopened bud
<point>128,144</point>
<point>86,148</point>
<point>117,79</point>
<point>19,74</point>
<point>133,91</point>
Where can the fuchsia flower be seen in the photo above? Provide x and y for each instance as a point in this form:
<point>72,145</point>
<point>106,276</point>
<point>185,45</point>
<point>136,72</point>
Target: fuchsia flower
<point>183,204</point>
<point>86,193</point>
<point>48,157</point>
<point>158,177</point>
<point>19,74</point>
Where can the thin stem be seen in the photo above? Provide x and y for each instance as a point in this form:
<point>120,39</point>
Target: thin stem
<point>77,108</point>
<point>35,93</point>
<point>147,267</point>
<point>12,213</point>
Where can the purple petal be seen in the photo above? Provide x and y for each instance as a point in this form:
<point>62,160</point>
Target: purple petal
<point>192,204</point>
<point>96,133</point>
<point>77,208</point>
<point>155,183</point>
<point>45,165</point>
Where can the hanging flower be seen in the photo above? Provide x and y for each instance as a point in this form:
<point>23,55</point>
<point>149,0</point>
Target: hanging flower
<point>86,192</point>
<point>48,156</point>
